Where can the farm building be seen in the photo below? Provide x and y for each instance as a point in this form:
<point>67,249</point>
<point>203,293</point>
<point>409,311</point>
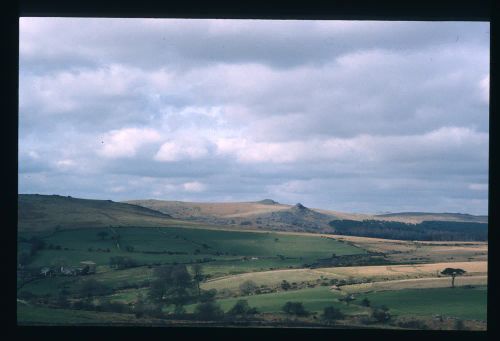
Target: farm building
<point>68,271</point>
<point>90,265</point>
<point>45,271</point>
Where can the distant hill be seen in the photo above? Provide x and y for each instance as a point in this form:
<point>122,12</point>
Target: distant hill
<point>268,202</point>
<point>418,217</point>
<point>267,214</point>
<point>47,212</point>
<point>211,210</point>
<point>296,218</point>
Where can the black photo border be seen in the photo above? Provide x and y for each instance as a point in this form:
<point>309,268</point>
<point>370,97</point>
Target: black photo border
<point>404,10</point>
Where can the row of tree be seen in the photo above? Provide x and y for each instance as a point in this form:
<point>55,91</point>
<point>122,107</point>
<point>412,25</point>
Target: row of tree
<point>426,230</point>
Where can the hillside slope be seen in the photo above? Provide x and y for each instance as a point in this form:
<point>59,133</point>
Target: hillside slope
<point>418,217</point>
<point>266,214</point>
<point>194,210</point>
<point>47,212</point>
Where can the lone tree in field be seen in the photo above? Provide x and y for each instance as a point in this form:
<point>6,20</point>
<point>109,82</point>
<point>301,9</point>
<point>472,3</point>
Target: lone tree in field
<point>453,273</point>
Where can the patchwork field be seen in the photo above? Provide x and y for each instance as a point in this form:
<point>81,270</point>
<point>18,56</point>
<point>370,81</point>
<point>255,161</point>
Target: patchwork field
<point>220,265</point>
<point>416,283</point>
<point>314,300</point>
<point>365,273</point>
<point>184,245</point>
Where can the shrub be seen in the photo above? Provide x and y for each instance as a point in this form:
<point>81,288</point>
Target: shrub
<point>115,307</point>
<point>248,287</point>
<point>208,311</point>
<point>459,325</point>
<point>331,314</point>
<point>285,285</point>
<point>365,302</point>
<point>241,308</point>
<point>381,314</point>
<point>413,324</point>
<point>295,308</point>
<point>208,295</point>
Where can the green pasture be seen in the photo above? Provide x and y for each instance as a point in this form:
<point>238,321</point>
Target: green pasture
<point>269,250</point>
<point>314,300</point>
<point>459,302</point>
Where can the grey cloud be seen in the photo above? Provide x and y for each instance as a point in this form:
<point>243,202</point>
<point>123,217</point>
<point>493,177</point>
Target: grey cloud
<point>275,91</point>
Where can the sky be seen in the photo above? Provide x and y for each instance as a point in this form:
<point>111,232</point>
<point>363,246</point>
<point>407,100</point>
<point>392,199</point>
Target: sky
<point>355,116</point>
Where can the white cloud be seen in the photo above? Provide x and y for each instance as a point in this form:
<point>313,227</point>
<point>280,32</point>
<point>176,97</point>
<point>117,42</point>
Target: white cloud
<point>33,154</point>
<point>193,186</point>
<point>485,89</point>
<point>478,187</point>
<point>181,150</point>
<point>118,189</point>
<point>125,142</point>
<point>65,163</point>
<point>359,149</point>
<point>262,103</point>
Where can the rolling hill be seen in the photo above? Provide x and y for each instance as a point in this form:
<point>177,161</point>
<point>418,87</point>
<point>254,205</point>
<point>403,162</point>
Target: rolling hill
<point>418,217</point>
<point>267,212</point>
<point>47,212</point>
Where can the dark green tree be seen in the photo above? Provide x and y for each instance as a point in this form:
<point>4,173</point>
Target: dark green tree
<point>381,314</point>
<point>453,273</point>
<point>365,302</point>
<point>331,314</point>
<point>208,311</point>
<point>242,309</point>
<point>172,285</point>
<point>248,287</point>
<point>285,285</point>
<point>295,308</point>
<point>207,295</point>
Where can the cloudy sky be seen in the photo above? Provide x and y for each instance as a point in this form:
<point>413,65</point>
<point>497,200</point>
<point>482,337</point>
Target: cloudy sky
<point>346,115</point>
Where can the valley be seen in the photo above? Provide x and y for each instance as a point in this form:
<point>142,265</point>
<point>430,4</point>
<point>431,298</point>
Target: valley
<point>103,263</point>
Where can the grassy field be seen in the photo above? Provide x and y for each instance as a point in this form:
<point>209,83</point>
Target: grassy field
<point>458,302</point>
<point>418,251</point>
<point>193,244</point>
<point>372,273</point>
<point>415,283</point>
<point>314,300</point>
<point>239,252</point>
<point>230,257</point>
<point>28,314</point>
<point>42,213</point>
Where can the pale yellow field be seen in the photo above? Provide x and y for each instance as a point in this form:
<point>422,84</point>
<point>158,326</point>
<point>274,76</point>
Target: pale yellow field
<point>374,273</point>
<point>419,251</point>
<point>415,283</point>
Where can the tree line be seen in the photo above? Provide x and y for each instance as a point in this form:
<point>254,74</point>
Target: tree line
<point>426,230</point>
